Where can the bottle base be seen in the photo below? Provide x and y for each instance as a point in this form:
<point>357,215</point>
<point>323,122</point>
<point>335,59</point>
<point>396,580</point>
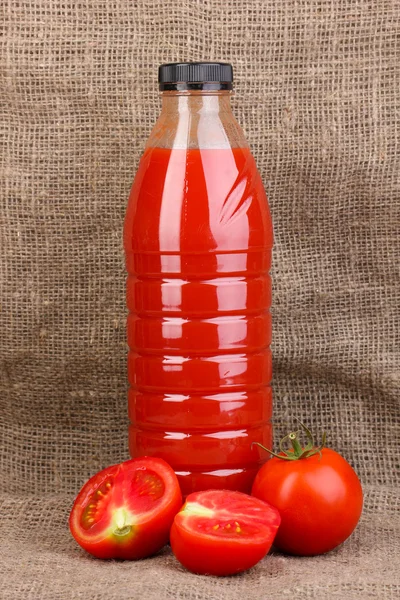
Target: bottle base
<point>202,462</point>
<point>240,480</point>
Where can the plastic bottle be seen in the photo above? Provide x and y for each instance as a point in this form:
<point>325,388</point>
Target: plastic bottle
<point>198,239</point>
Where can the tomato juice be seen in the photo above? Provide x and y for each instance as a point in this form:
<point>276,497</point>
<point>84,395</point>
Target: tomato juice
<point>198,239</point>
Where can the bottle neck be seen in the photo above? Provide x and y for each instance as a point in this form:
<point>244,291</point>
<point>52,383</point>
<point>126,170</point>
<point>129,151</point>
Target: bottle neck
<point>196,119</point>
<point>196,102</point>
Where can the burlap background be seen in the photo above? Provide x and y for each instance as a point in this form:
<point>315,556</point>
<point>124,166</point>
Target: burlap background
<point>318,87</point>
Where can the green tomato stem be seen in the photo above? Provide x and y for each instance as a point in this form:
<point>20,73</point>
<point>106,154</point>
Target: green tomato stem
<point>297,451</point>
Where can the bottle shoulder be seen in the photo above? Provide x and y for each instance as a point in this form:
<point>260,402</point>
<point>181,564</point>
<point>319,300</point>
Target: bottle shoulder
<point>198,200</point>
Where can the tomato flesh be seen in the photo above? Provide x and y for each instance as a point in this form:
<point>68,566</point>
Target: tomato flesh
<point>126,511</point>
<point>319,498</point>
<point>221,532</point>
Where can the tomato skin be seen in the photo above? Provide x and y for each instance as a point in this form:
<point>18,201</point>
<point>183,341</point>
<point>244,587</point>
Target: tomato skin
<point>204,558</point>
<point>201,552</point>
<point>148,517</point>
<point>319,498</point>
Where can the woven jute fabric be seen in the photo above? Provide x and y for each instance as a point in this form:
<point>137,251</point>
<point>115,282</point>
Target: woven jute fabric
<point>318,94</point>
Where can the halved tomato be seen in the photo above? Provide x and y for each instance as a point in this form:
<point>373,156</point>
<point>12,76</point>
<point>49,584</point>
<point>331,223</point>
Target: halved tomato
<point>221,532</point>
<point>126,511</point>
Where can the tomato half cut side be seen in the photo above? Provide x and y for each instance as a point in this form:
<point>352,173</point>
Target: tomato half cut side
<point>222,532</point>
<point>126,510</point>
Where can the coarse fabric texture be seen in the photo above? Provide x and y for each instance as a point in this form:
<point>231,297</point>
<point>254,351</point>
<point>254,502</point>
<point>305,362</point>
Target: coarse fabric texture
<point>317,92</point>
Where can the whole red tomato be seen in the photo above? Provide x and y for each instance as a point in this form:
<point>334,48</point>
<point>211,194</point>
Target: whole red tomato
<point>317,494</point>
<point>126,511</point>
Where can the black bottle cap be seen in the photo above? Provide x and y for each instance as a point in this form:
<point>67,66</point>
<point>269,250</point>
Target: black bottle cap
<point>195,76</point>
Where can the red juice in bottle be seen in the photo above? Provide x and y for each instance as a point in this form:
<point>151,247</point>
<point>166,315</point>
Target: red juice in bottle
<point>198,240</point>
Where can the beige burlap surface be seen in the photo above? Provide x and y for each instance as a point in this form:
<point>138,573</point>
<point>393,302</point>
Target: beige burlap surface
<point>318,88</point>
